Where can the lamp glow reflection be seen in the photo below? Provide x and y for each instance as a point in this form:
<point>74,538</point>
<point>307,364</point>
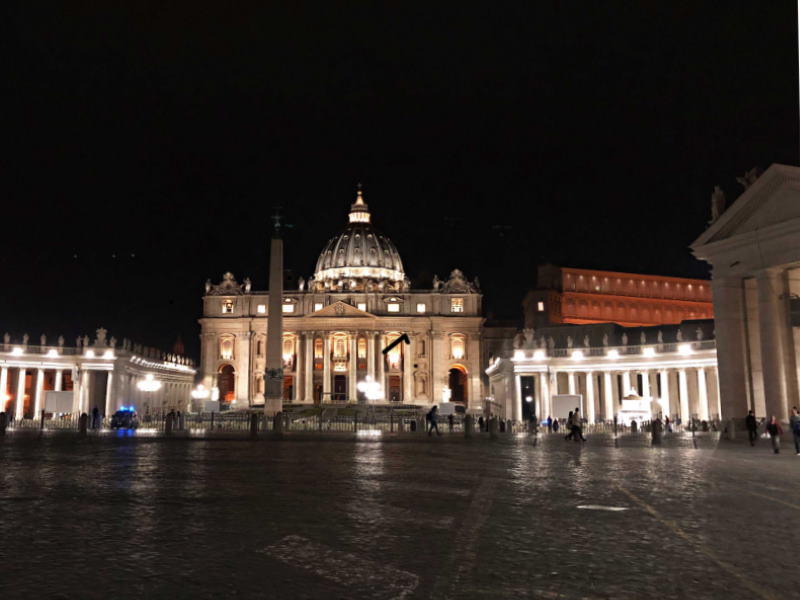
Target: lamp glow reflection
<point>149,384</point>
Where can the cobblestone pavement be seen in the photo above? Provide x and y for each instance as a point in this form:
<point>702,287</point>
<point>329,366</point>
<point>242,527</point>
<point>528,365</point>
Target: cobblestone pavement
<point>400,518</point>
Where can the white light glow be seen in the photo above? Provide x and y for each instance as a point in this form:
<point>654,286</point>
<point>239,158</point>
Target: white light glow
<point>614,354</point>
<point>90,354</point>
<point>262,309</point>
<point>528,398</point>
<point>200,392</point>
<point>539,355</point>
<point>149,384</point>
<point>371,389</point>
<point>52,353</point>
<point>577,355</point>
<point>369,433</point>
<point>649,352</point>
<point>108,354</point>
<point>685,349</point>
<point>519,355</point>
<point>17,351</point>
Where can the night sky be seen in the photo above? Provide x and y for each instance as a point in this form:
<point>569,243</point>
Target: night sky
<point>145,146</point>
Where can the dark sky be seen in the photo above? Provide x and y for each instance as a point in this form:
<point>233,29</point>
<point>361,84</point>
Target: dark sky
<point>144,146</point>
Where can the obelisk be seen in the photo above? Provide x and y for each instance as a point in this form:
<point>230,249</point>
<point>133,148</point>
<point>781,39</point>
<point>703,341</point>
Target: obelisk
<point>273,399</point>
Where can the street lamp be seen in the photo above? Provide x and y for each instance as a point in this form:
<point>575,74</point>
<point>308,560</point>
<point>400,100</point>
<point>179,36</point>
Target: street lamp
<point>371,389</point>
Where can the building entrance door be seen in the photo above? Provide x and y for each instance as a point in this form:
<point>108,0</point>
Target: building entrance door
<point>340,388</point>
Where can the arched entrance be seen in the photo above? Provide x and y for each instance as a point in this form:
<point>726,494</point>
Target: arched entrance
<point>226,382</point>
<point>457,381</point>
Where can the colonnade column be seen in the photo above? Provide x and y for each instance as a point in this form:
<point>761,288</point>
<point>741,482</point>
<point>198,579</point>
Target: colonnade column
<point>3,387</point>
<point>19,406</point>
<point>371,355</point>
<point>664,397</point>
<point>516,408</point>
<point>626,383</point>
<point>547,404</point>
<point>683,388</point>
<point>381,366</point>
<point>776,358</point>
<point>590,413</point>
<point>731,343</point>
<point>109,408</point>
<point>58,382</point>
<point>326,367</point>
<point>702,395</point>
<point>309,367</point>
<point>76,390</point>
<point>37,394</point>
<point>352,365</point>
<point>608,396</point>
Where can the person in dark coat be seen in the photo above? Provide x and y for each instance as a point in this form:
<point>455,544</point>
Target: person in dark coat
<point>480,423</point>
<point>752,427</point>
<point>774,430</point>
<point>432,424</point>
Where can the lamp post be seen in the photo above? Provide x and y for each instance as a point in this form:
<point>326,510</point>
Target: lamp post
<point>148,385</point>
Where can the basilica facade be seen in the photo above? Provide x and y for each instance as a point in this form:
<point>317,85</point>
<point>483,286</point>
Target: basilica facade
<point>337,324</point>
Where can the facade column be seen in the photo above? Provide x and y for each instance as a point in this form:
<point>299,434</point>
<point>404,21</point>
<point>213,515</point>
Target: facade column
<point>59,381</point>
<point>408,372</point>
<point>19,406</point>
<point>516,407</point>
<point>571,383</point>
<point>381,365</point>
<point>702,395</point>
<point>38,403</point>
<point>683,388</point>
<point>626,383</point>
<point>646,393</point>
<point>546,401</point>
<point>371,354</point>
<point>664,397</point>
<point>590,411</point>
<point>729,324</point>
<point>326,366</point>
<point>110,400</point>
<point>352,366</point>
<point>309,367</point>
<point>608,396</point>
<point>243,369</point>
<point>780,378</point>
<point>3,388</point>
<point>715,400</point>
<point>76,389</point>
<point>297,382</point>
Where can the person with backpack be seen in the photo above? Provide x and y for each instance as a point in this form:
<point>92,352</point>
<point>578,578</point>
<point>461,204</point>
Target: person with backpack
<point>794,421</point>
<point>774,430</point>
<point>571,433</point>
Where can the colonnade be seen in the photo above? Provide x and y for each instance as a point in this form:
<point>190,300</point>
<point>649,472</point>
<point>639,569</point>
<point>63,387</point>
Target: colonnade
<point>681,393</point>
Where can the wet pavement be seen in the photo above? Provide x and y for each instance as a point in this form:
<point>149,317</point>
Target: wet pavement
<point>406,517</point>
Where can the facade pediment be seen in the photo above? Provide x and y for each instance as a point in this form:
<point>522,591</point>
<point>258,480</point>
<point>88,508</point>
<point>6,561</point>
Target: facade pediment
<point>340,309</point>
<point>773,199</point>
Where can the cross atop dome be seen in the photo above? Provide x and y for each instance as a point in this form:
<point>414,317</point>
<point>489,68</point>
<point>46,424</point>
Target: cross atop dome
<point>359,211</point>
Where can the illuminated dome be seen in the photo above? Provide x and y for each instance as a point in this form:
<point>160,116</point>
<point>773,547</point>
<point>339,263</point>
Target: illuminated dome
<point>360,258</point>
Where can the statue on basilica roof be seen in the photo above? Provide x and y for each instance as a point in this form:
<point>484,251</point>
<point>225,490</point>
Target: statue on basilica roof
<point>457,283</point>
<point>228,286</point>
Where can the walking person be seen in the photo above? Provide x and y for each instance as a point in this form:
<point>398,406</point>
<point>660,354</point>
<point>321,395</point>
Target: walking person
<point>752,427</point>
<point>555,425</point>
<point>480,423</point>
<point>95,418</point>
<point>577,430</point>
<point>774,430</point>
<point>432,424</point>
<point>549,424</point>
<point>571,433</point>
<point>794,421</point>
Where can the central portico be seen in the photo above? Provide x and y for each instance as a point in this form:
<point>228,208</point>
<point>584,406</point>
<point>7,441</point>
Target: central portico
<point>336,325</point>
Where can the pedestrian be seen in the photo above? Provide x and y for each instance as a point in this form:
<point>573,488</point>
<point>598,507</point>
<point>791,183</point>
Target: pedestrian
<point>794,421</point>
<point>450,422</point>
<point>577,430</point>
<point>752,427</point>
<point>555,425</point>
<point>571,433</point>
<point>549,424</point>
<point>480,423</point>
<point>95,418</point>
<point>774,430</point>
<point>667,425</point>
<point>431,417</point>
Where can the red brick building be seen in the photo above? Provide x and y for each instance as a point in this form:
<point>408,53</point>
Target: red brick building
<point>566,295</point>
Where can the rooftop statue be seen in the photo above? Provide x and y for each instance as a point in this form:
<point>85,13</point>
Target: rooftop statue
<point>749,177</point>
<point>718,202</point>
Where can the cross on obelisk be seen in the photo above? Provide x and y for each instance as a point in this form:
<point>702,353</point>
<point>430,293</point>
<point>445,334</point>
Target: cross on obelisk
<point>273,398</point>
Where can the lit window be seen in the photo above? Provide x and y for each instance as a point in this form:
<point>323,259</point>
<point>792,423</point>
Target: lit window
<point>262,309</point>
<point>227,306</point>
<point>421,307</point>
<point>393,307</point>
<point>226,348</point>
<point>288,308</point>
<point>362,348</point>
<point>362,306</point>
<point>457,346</point>
<point>456,305</point>
<point>318,348</point>
<point>540,306</point>
<point>317,306</point>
